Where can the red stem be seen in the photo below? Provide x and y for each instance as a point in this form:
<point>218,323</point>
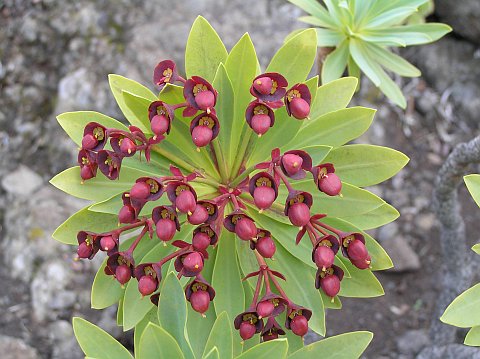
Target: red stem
<point>173,255</point>
<point>257,290</point>
<point>284,179</point>
<point>279,288</point>
<point>137,240</point>
<point>331,229</point>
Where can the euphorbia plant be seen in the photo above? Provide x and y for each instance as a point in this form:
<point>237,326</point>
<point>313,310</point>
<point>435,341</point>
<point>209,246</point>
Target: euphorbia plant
<point>463,311</point>
<point>360,34</point>
<point>226,169</point>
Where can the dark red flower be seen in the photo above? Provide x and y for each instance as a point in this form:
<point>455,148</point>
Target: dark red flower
<point>123,144</point>
<point>297,101</point>
<point>183,196</point>
<point>297,208</point>
<point>204,129</point>
<point>130,210</point>
<point>146,189</point>
<point>329,280</point>
<point>109,163</point>
<point>200,94</point>
<point>271,330</point>
<point>270,305</point>
<point>269,87</point>
<point>264,243</point>
<point>297,319</point>
<point>263,189</point>
<point>165,72</point>
<point>294,163</point>
<point>205,212</point>
<point>326,179</point>
<point>199,293</point>
<point>260,117</point>
<point>88,244</point>
<point>87,161</point>
<point>242,225</point>
<point>353,247</point>
<point>248,323</point>
<point>324,251</point>
<point>122,265</point>
<point>166,222</point>
<point>94,137</point>
<point>204,236</point>
<point>149,276</point>
<point>161,116</point>
<point>189,264</point>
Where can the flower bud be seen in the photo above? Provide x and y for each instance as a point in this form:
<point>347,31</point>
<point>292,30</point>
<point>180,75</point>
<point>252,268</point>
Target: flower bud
<point>292,163</point>
<point>201,241</point>
<point>265,309</point>
<point>330,284</point>
<point>140,191</point>
<point>199,215</point>
<point>123,273</point>
<point>266,247</point>
<point>245,229</point>
<point>299,214</point>
<point>205,99</point>
<point>159,124</point>
<point>324,257</point>
<point>200,301</point>
<point>264,197</point>
<point>147,285</point>
<point>357,251</point>
<point>107,243</point>
<point>299,325</point>
<point>261,123</point>
<point>186,202</point>
<point>128,147</point>
<point>193,262</point>
<point>165,229</point>
<point>299,108</point>
<point>363,263</point>
<point>126,214</point>
<point>263,85</point>
<point>247,330</point>
<point>330,184</point>
<point>84,250</point>
<point>89,142</point>
<point>202,136</point>
<point>86,173</point>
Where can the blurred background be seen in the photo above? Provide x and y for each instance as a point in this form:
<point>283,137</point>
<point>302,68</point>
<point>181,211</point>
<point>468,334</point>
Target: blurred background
<point>55,56</point>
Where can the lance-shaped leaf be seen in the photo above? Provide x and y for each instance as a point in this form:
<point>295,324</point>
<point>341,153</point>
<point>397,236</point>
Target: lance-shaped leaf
<point>157,343</point>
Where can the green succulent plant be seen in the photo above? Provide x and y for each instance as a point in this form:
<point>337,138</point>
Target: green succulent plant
<point>362,32</point>
<point>463,311</point>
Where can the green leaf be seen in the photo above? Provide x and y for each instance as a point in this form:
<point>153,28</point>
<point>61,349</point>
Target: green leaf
<point>463,311</point>
<point>73,123</point>
<point>334,96</point>
<point>391,89</point>
<point>120,84</point>
<point>157,343</point>
<point>295,58</point>
<point>318,11</point>
<point>212,354</point>
<point>335,128</point>
<point>225,108</point>
<point>366,165</point>
<point>241,67</point>
<point>96,189</point>
<point>473,337</point>
<point>138,106</point>
<point>361,284</point>
<point>221,337</point>
<point>204,51</point>
<point>172,312</point>
<point>476,248</point>
<point>335,63</point>
<point>96,342</point>
<point>227,279</point>
<point>273,349</point>
<point>329,38</point>
<point>106,290</point>
<point>473,185</point>
<point>391,17</point>
<point>411,34</point>
<point>344,346</point>
<point>84,220</point>
<point>364,61</point>
<point>151,317</point>
<point>392,62</point>
<point>375,218</point>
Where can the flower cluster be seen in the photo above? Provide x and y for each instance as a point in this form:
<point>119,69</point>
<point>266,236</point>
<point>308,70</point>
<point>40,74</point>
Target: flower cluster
<point>208,215</point>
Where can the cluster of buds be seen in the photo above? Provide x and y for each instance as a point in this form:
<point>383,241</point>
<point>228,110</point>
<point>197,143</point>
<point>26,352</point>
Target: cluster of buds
<point>270,92</point>
<point>208,215</point>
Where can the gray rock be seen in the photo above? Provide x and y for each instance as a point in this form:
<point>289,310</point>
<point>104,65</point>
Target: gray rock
<point>453,351</point>
<point>63,339</point>
<point>21,182</point>
<point>462,17</point>
<point>404,258</point>
<point>412,342</point>
<point>13,348</point>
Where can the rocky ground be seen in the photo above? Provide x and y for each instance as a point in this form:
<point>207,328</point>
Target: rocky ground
<point>54,57</point>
